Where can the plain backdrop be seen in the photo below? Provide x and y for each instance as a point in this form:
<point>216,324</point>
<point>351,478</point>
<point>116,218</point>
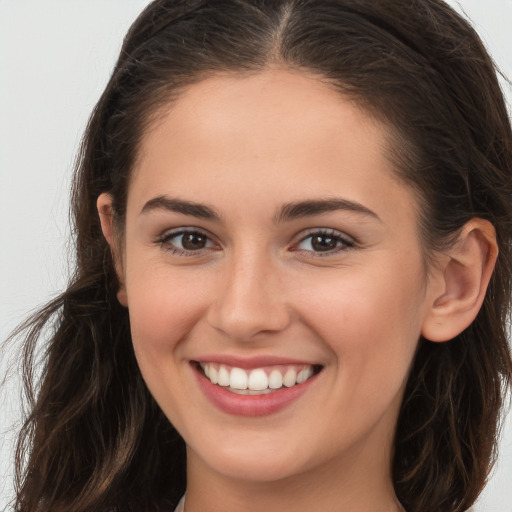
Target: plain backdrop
<point>55,59</point>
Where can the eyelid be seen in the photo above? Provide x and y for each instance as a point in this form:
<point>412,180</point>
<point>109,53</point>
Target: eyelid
<point>348,242</point>
<point>163,240</point>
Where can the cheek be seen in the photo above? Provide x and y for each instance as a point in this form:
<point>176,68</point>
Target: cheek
<point>372,338</point>
<point>371,322</point>
<point>163,309</point>
<point>163,306</point>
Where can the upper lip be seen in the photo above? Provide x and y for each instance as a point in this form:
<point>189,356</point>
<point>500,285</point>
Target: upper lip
<point>251,362</point>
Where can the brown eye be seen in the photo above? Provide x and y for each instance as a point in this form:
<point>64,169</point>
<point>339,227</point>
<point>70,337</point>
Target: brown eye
<point>322,243</point>
<point>193,241</point>
<point>325,242</point>
<point>185,242</point>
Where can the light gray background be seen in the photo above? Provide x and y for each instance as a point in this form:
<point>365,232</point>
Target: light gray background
<point>55,59</point>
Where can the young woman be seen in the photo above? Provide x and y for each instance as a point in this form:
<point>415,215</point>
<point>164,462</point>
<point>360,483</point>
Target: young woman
<point>293,228</point>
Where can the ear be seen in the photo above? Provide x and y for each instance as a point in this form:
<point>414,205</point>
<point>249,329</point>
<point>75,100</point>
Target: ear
<point>106,213</point>
<point>460,281</point>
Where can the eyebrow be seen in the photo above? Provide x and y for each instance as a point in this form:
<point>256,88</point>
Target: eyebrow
<point>181,206</point>
<point>288,212</point>
<point>291,211</point>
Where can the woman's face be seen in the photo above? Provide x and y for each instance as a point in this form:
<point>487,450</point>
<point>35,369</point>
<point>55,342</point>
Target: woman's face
<point>268,241</point>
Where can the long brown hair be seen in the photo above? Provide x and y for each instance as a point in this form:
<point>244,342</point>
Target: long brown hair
<point>95,438</point>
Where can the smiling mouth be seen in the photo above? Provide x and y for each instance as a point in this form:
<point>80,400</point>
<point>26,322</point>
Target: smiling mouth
<point>257,381</point>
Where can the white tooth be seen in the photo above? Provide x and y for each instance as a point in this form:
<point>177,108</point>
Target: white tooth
<point>309,372</point>
<point>290,377</point>
<point>250,391</point>
<point>213,374</point>
<point>223,376</point>
<point>206,369</point>
<point>238,379</point>
<point>275,379</point>
<point>258,380</point>
<point>302,376</point>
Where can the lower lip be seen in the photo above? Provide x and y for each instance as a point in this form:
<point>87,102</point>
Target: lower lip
<point>250,405</point>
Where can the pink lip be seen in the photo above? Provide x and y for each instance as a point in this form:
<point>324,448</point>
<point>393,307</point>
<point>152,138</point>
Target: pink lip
<point>251,362</point>
<point>250,405</point>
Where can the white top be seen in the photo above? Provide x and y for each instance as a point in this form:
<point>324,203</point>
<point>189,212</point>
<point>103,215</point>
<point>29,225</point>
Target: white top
<point>181,505</point>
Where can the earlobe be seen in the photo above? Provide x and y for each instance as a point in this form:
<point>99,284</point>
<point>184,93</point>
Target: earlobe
<point>106,214</point>
<point>460,282</point>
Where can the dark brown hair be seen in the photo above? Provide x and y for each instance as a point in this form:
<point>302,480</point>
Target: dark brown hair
<point>95,438</point>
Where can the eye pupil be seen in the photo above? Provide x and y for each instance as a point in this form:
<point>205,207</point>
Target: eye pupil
<point>324,243</point>
<point>193,241</point>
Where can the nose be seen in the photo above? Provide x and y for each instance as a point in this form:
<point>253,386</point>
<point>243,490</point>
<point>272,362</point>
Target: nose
<point>250,300</point>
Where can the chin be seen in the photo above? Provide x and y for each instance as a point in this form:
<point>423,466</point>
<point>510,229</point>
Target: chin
<point>263,465</point>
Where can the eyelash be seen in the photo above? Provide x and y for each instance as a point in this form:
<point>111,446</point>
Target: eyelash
<point>343,242</point>
<point>165,241</point>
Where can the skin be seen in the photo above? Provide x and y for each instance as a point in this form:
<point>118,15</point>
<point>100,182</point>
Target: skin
<point>245,147</point>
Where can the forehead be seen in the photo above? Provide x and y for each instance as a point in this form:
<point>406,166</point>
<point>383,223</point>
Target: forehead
<point>278,130</point>
<point>261,104</point>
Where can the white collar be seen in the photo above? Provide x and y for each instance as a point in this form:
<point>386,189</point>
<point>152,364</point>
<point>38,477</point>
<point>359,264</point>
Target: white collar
<point>181,505</point>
